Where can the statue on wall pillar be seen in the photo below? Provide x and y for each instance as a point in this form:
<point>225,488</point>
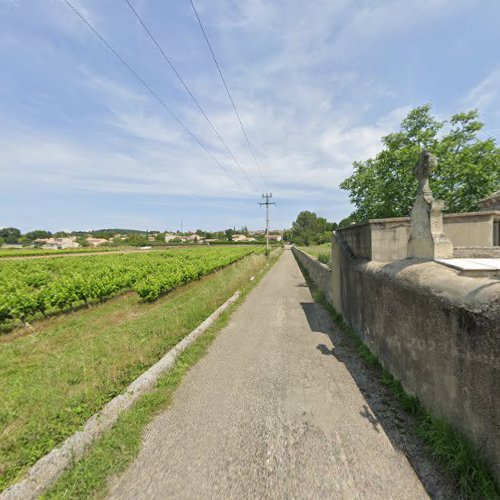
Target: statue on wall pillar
<point>427,239</point>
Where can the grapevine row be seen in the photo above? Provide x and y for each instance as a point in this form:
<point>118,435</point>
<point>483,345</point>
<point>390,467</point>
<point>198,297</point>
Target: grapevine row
<point>36,288</point>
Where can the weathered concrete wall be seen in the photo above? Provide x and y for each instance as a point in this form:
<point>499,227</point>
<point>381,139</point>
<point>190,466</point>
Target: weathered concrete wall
<point>386,240</point>
<point>472,229</point>
<point>318,272</point>
<point>359,239</point>
<point>439,333</point>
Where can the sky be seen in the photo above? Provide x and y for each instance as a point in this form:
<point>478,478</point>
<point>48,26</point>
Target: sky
<point>84,145</point>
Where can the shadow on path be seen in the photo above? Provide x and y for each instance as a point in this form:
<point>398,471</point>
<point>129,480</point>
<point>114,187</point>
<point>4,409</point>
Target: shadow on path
<point>382,409</point>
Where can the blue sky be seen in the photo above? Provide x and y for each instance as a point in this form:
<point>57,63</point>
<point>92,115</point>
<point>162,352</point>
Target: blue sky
<point>83,145</point>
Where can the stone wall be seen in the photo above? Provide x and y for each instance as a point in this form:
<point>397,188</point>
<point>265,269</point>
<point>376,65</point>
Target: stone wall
<point>318,272</point>
<point>437,332</point>
<point>386,240</point>
<point>473,229</point>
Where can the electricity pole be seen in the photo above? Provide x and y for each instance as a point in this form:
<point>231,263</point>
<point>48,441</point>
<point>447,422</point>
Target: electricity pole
<point>267,197</point>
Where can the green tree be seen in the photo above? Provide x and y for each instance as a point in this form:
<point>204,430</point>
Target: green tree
<point>468,170</point>
<point>288,235</point>
<point>37,234</point>
<point>347,221</point>
<point>10,234</point>
<point>137,240</point>
<point>229,234</point>
<point>103,233</point>
<point>82,241</point>
<point>309,229</point>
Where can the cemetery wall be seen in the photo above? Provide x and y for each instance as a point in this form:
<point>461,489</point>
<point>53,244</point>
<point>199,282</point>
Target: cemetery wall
<point>436,331</point>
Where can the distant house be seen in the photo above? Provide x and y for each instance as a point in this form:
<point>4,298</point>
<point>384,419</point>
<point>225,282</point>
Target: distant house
<point>242,238</point>
<point>275,237</point>
<point>152,235</point>
<point>95,242</point>
<point>58,243</point>
<point>170,236</point>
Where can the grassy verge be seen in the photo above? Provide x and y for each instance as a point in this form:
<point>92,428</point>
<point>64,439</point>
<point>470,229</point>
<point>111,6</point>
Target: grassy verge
<point>321,252</point>
<point>452,450</point>
<point>68,367</point>
<point>114,452</point>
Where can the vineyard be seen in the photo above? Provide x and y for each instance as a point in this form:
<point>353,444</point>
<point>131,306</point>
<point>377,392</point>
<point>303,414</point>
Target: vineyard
<point>31,289</point>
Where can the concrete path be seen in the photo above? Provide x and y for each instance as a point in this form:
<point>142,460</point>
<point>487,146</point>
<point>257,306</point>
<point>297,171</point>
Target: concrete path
<point>267,415</point>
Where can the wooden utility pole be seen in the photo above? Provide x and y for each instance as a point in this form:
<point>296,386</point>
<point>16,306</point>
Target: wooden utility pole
<point>267,197</point>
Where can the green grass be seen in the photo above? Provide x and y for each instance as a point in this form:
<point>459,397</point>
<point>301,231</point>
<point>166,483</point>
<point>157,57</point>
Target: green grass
<point>321,252</point>
<point>54,378</point>
<point>453,450</point>
<point>111,455</point>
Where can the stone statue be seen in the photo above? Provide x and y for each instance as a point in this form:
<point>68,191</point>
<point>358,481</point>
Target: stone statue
<point>423,170</point>
<point>427,240</point>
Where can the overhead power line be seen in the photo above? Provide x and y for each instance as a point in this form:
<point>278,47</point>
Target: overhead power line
<point>151,91</point>
<point>227,91</point>
<point>202,111</point>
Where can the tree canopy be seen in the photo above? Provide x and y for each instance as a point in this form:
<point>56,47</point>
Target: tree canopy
<point>309,229</point>
<point>468,169</point>
<point>36,234</point>
<point>10,234</point>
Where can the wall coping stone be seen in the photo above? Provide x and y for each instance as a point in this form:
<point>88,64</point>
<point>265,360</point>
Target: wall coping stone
<point>436,280</point>
<point>483,215</point>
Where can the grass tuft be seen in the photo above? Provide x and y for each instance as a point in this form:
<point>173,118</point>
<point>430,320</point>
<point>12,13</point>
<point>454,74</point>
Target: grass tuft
<point>325,258</point>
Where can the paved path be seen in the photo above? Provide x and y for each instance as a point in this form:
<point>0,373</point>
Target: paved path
<point>267,415</point>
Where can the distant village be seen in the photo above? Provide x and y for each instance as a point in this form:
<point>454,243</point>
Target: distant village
<point>13,238</point>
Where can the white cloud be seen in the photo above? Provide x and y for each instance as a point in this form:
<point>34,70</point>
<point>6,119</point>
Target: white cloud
<point>59,162</point>
<point>485,92</point>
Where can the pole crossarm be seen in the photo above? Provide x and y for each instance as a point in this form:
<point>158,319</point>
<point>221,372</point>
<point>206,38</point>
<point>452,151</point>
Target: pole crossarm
<point>267,203</point>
